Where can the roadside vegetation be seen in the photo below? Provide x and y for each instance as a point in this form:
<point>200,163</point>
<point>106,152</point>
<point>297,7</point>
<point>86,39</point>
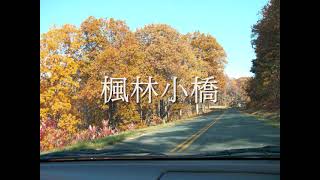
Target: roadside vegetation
<point>74,61</point>
<point>269,117</point>
<point>103,142</point>
<point>264,88</point>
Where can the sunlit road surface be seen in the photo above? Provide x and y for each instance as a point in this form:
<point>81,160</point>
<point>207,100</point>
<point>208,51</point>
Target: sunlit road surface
<point>218,130</point>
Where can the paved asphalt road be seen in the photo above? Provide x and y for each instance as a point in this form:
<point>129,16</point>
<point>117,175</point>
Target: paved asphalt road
<point>219,130</point>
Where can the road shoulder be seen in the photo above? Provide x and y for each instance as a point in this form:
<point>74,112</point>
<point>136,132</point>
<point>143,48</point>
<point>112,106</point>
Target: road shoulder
<point>269,117</point>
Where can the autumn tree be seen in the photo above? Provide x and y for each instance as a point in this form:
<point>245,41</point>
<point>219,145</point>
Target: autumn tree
<point>169,54</point>
<point>264,88</point>
<point>58,81</point>
<point>208,51</point>
<point>109,49</point>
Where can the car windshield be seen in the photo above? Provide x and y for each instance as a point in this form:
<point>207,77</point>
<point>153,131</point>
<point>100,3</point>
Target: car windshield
<point>178,81</point>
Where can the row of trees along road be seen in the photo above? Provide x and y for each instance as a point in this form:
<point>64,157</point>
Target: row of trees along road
<point>74,60</point>
<point>264,87</point>
<point>235,94</point>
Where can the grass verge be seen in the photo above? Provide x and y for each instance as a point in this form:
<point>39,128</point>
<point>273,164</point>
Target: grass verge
<point>270,117</point>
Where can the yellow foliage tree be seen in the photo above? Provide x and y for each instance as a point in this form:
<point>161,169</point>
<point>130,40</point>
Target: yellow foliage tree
<point>58,82</point>
<point>74,62</point>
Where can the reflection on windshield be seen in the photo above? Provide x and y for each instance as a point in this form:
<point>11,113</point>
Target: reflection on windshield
<point>106,90</point>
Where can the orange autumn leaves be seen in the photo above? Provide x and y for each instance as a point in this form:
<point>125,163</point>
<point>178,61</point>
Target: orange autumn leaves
<point>73,61</point>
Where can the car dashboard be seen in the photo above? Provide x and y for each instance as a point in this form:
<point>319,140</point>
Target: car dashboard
<point>161,169</point>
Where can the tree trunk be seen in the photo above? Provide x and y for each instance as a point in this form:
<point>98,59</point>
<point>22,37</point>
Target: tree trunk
<point>197,108</point>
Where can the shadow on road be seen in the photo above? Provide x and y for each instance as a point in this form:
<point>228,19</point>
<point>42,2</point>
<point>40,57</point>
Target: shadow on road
<point>234,130</point>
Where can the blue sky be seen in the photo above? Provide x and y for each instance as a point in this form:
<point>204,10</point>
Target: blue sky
<point>229,21</point>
